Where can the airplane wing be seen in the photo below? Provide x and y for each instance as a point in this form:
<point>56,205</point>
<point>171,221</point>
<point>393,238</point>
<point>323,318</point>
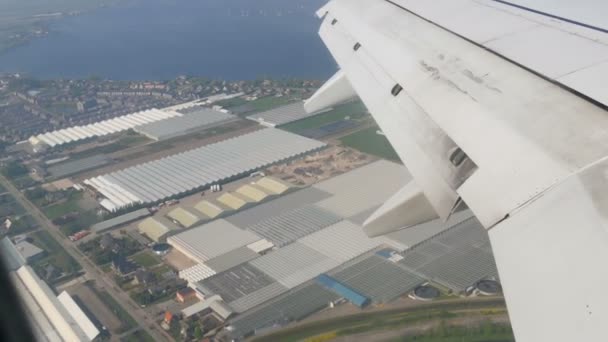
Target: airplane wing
<point>500,106</point>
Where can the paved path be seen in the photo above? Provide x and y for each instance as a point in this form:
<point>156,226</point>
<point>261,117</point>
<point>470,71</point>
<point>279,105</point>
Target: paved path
<point>93,272</point>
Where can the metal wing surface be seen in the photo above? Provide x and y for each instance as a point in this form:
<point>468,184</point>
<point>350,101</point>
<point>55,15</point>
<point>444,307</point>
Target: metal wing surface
<point>500,106</point>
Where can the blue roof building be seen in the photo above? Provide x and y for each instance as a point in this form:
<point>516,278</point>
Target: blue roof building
<point>343,290</point>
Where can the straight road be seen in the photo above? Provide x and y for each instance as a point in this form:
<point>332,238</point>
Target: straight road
<point>93,272</point>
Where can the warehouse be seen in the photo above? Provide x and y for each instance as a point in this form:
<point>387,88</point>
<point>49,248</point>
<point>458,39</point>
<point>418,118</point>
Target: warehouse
<point>78,315</point>
<point>156,229</point>
<point>377,278</point>
<point>253,193</point>
<point>211,240</point>
<point>286,308</point>
<point>120,220</point>
<point>50,319</point>
<point>342,290</point>
<point>234,201</point>
<point>315,232</point>
<point>200,119</point>
<point>111,126</point>
<point>184,217</point>
<point>196,273</point>
<point>282,115</point>
<point>11,257</point>
<point>242,287</point>
<point>210,209</point>
<point>190,171</point>
<point>273,186</point>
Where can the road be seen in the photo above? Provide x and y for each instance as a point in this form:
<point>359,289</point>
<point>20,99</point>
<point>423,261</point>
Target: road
<point>92,271</point>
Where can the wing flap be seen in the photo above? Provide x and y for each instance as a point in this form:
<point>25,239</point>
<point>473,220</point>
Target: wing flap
<point>407,208</point>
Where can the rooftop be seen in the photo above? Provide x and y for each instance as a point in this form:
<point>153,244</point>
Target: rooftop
<point>189,171</point>
<point>282,115</point>
<point>199,119</point>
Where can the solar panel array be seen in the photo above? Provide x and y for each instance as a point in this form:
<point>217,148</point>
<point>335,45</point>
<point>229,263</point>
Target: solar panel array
<point>115,125</point>
<point>186,172</point>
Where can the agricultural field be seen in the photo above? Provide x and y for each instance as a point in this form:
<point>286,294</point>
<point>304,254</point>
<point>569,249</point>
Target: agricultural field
<point>369,141</point>
<point>434,322</point>
<point>351,111</point>
<point>55,256</point>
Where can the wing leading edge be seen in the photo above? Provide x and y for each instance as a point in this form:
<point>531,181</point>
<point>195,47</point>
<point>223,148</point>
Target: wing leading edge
<point>473,127</point>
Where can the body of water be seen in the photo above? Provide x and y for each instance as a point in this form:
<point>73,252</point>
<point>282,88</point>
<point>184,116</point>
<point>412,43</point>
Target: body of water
<point>162,39</point>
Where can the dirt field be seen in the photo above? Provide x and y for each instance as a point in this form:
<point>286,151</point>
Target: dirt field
<point>96,307</point>
<point>314,168</point>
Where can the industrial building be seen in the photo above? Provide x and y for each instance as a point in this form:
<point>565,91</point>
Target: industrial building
<point>234,201</point>
<point>190,171</point>
<point>210,209</point>
<point>273,185</point>
<point>120,220</point>
<point>282,115</point>
<point>210,240</point>
<point>52,318</point>
<point>156,228</point>
<point>191,121</point>
<point>111,126</point>
<point>184,217</point>
<point>314,243</point>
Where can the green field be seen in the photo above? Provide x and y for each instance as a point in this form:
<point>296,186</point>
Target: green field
<point>269,102</point>
<point>128,140</point>
<point>138,336</point>
<point>238,101</point>
<point>398,319</point>
<point>145,259</point>
<point>368,141</point>
<point>56,255</point>
<point>58,210</point>
<point>354,110</point>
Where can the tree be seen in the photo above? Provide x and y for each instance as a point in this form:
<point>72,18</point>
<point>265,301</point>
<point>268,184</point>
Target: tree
<point>14,169</point>
<point>198,332</point>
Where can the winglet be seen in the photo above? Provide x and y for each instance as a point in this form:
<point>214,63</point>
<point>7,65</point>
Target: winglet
<point>335,91</point>
<point>406,208</point>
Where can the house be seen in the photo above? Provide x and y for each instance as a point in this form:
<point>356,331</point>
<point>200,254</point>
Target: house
<point>143,278</point>
<point>122,266</point>
<point>107,242</point>
<point>185,294</point>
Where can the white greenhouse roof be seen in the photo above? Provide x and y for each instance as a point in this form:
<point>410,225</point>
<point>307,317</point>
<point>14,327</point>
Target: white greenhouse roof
<point>281,115</point>
<point>184,124</point>
<point>184,172</point>
<point>114,125</point>
<point>212,239</point>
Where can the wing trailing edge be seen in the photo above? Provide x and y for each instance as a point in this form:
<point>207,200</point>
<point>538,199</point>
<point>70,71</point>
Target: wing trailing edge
<point>407,208</point>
